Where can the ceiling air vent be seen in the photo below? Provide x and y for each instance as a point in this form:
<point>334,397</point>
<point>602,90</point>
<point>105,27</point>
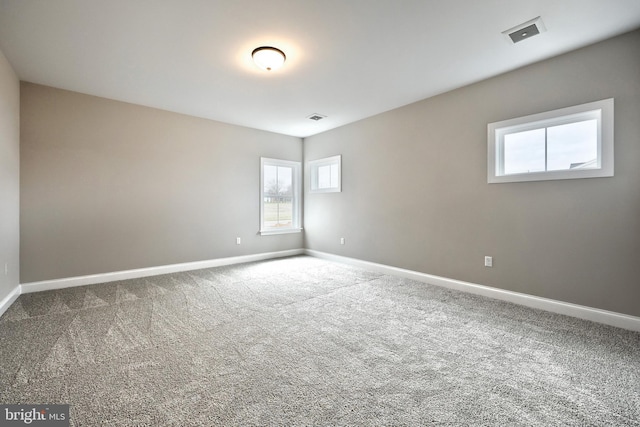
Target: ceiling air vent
<point>525,30</point>
<point>316,117</point>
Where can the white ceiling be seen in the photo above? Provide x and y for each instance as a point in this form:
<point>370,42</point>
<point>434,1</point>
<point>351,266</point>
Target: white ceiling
<point>346,59</point>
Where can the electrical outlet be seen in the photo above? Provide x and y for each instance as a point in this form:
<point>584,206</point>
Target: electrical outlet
<point>488,261</point>
<point>238,240</point>
<point>342,240</point>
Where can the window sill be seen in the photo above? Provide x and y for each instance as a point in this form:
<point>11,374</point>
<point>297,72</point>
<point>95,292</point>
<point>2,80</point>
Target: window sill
<point>325,190</point>
<point>551,175</point>
<point>284,231</point>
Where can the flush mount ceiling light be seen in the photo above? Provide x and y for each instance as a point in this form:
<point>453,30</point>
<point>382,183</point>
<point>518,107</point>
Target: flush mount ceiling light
<point>268,58</point>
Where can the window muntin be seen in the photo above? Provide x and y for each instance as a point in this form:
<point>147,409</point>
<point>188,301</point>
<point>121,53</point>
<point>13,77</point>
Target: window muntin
<point>574,142</point>
<point>279,196</point>
<point>325,175</point>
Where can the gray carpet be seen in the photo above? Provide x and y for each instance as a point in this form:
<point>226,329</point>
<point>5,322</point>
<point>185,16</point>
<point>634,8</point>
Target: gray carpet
<point>302,341</point>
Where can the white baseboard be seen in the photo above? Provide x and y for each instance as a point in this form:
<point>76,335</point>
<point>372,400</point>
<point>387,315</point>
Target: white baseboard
<point>619,320</point>
<point>47,285</point>
<point>9,299</point>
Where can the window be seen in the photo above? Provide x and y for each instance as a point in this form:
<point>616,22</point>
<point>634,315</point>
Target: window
<point>279,196</point>
<point>325,175</point>
<point>573,142</point>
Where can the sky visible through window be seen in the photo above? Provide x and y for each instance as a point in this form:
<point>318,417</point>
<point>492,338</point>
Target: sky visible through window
<point>567,146</point>
<point>328,176</point>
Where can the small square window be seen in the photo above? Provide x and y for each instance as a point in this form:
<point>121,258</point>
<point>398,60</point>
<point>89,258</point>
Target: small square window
<point>573,142</point>
<point>325,175</point>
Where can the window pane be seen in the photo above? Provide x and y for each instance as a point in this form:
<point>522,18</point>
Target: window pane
<point>574,145</point>
<point>334,175</point>
<point>270,180</point>
<point>524,152</point>
<point>285,181</point>
<point>278,197</point>
<point>324,176</point>
<point>278,212</point>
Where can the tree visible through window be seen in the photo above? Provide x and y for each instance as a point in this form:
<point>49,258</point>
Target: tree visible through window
<point>280,196</point>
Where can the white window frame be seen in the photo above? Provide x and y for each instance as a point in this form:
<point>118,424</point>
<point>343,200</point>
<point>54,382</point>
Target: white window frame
<point>600,110</point>
<point>314,167</point>
<point>297,196</point>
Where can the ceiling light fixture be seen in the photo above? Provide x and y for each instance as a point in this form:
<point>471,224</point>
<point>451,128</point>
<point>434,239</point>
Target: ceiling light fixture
<point>268,58</point>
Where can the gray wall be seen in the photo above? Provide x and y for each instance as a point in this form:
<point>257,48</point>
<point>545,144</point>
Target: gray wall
<point>109,186</point>
<point>9,178</point>
<point>415,192</point>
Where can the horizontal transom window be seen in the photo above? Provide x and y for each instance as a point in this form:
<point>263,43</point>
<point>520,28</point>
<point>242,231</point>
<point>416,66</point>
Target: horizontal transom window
<point>573,142</point>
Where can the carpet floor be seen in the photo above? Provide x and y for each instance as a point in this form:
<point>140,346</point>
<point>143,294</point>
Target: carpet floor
<point>302,341</point>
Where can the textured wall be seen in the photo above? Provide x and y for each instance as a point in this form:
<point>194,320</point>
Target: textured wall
<point>9,178</point>
<point>415,192</point>
<point>109,186</point>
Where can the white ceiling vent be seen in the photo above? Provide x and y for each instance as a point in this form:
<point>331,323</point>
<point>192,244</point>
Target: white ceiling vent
<point>316,117</point>
<point>525,30</point>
